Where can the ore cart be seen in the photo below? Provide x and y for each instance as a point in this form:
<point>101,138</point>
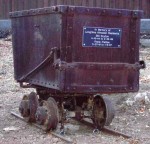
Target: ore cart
<point>71,55</point>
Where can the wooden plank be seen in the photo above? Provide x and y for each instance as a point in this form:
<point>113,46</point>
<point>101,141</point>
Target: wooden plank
<point>140,4</point>
<point>46,3</point>
<point>112,3</point>
<point>98,3</point>
<point>83,2</point>
<point>40,3</point>
<point>117,3</point>
<point>3,9</point>
<point>20,5</point>
<point>32,4</point>
<point>26,5</point>
<point>90,3</point>
<point>94,3</point>
<point>59,2</point>
<point>128,4</point>
<point>136,5</point>
<point>53,2</point>
<point>124,5</point>
<point>121,4</point>
<point>78,2</point>
<point>144,7</point>
<point>148,9</point>
<point>0,9</point>
<point>12,6</point>
<point>7,9</point>
<point>70,2</point>
<point>65,2</point>
<point>16,7</point>
<point>106,3</point>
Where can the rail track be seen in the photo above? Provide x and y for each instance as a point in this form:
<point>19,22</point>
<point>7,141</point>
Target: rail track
<point>68,140</point>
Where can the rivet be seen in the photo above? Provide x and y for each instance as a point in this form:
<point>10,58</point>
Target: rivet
<point>72,9</point>
<point>119,12</point>
<point>103,11</point>
<point>132,48</point>
<point>46,10</point>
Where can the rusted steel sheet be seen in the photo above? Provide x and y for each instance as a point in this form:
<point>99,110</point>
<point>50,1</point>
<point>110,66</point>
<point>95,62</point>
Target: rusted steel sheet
<point>15,5</point>
<point>77,49</point>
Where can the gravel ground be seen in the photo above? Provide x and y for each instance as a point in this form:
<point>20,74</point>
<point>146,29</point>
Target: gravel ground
<point>132,111</point>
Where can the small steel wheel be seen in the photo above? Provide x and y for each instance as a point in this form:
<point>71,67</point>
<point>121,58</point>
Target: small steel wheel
<point>103,112</point>
<point>28,106</point>
<point>24,106</point>
<point>41,114</point>
<point>47,114</point>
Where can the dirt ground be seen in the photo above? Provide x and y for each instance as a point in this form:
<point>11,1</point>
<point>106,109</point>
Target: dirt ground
<point>132,111</point>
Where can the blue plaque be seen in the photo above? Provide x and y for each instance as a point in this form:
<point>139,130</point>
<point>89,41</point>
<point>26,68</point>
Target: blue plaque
<point>101,37</point>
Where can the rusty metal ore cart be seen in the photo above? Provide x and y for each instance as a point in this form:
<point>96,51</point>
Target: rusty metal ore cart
<point>71,55</point>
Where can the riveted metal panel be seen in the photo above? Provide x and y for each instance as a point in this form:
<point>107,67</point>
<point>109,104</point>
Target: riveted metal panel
<point>74,67</point>
<point>125,80</point>
<point>40,32</point>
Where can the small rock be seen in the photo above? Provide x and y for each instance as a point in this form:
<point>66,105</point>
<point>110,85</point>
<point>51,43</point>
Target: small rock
<point>142,97</point>
<point>147,100</point>
<point>70,128</point>
<point>11,128</point>
<point>129,102</point>
<point>59,142</point>
<point>55,140</point>
<point>147,126</point>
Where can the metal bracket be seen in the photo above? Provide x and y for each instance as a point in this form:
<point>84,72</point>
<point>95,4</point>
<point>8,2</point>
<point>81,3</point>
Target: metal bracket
<point>48,59</point>
<point>142,64</point>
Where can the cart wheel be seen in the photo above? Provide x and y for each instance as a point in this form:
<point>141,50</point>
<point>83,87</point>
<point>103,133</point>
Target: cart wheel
<point>24,106</point>
<point>103,112</point>
<point>28,106</point>
<point>47,114</point>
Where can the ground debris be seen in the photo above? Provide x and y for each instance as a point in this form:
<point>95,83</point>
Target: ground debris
<point>129,102</point>
<point>11,128</point>
<point>142,97</point>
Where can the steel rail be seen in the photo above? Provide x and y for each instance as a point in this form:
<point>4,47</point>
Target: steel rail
<point>40,127</point>
<point>105,129</point>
